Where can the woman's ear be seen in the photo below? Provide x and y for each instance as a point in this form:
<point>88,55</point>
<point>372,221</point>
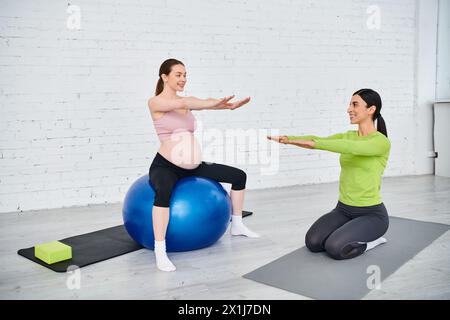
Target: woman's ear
<point>164,77</point>
<point>372,109</point>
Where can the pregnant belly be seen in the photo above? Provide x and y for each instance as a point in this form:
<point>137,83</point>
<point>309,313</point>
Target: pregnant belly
<point>183,150</point>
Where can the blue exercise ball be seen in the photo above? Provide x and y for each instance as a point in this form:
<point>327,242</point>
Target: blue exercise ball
<point>200,211</point>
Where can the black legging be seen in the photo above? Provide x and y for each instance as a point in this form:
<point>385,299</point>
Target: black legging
<point>340,231</point>
<point>164,175</point>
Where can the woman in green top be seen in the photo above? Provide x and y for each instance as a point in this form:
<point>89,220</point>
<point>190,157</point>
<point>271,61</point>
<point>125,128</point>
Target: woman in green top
<point>360,219</point>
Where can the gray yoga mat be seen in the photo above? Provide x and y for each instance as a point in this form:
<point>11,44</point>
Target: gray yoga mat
<point>318,276</point>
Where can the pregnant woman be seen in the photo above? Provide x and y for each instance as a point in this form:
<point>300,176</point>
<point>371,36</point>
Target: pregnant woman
<point>180,156</point>
<point>360,219</point>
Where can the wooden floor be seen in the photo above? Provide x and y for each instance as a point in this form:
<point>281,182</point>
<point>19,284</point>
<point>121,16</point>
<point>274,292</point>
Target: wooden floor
<point>281,215</point>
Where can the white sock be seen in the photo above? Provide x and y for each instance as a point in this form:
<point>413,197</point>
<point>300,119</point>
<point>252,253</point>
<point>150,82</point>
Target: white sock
<point>162,261</point>
<point>373,244</point>
<point>239,229</point>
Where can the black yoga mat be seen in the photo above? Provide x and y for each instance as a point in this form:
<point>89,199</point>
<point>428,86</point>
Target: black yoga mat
<point>90,248</point>
<point>93,247</point>
<point>318,276</point>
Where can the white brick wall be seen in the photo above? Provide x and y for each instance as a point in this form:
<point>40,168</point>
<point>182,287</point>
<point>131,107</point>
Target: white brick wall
<point>74,124</point>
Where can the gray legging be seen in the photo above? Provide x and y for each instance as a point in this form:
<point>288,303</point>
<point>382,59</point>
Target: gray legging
<point>340,231</point>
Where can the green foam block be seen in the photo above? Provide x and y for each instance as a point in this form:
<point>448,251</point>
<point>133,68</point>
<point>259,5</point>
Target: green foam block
<point>52,252</point>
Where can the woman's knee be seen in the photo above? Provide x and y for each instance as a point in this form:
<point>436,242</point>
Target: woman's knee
<point>334,249</point>
<point>313,241</point>
<point>163,191</point>
<point>162,199</point>
<point>239,179</point>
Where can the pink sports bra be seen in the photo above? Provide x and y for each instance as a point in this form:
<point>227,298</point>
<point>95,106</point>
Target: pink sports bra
<point>174,122</point>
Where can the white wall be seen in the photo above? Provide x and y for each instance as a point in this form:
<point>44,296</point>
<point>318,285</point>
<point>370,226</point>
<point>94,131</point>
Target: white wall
<point>443,59</point>
<point>75,128</point>
<point>425,92</point>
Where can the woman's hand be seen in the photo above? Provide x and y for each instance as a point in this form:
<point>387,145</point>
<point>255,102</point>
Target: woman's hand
<point>280,139</point>
<point>309,144</point>
<point>225,103</point>
<point>220,103</point>
<point>193,103</point>
<point>238,103</point>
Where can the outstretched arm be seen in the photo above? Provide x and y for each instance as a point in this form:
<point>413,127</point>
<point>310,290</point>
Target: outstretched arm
<point>304,141</point>
<point>309,137</point>
<point>308,144</point>
<point>215,104</point>
<point>158,104</point>
<point>375,146</point>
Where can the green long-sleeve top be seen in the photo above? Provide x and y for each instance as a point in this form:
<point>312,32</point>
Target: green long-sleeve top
<point>363,160</point>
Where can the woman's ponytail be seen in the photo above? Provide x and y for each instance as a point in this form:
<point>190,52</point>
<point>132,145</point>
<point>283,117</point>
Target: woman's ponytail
<point>159,86</point>
<point>381,125</point>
